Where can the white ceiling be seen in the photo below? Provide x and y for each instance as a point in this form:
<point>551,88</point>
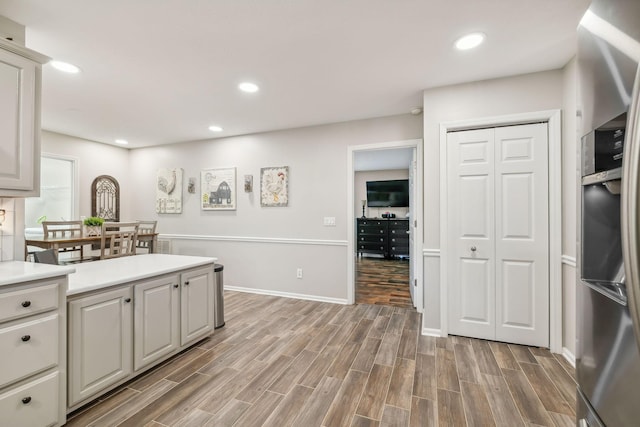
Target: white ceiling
<point>162,71</point>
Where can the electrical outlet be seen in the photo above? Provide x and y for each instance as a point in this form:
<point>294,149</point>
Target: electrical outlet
<point>299,273</point>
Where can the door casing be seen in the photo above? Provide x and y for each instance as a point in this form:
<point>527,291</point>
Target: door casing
<point>418,204</point>
<point>553,118</point>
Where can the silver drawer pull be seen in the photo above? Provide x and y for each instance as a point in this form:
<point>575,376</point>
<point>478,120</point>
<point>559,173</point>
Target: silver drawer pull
<point>26,304</point>
<point>473,248</point>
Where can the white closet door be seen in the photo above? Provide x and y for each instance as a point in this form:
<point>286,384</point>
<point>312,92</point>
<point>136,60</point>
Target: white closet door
<point>522,234</point>
<point>470,158</point>
<point>499,234</point>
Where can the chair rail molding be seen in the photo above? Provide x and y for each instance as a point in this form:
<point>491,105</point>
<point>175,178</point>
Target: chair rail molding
<point>249,239</point>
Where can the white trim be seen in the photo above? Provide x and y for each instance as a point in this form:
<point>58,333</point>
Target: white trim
<point>569,260</point>
<point>435,253</point>
<point>418,212</point>
<point>247,239</point>
<point>553,118</point>
<point>432,332</point>
<point>286,294</point>
<point>75,165</point>
<point>571,358</point>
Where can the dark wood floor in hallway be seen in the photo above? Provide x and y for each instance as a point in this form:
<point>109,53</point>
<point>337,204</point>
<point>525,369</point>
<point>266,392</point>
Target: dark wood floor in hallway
<point>383,282</point>
<point>287,362</point>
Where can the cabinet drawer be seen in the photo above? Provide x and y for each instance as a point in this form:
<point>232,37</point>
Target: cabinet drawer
<point>370,222</point>
<point>399,250</point>
<point>371,247</point>
<point>33,404</point>
<point>399,240</point>
<point>28,347</point>
<point>397,232</point>
<point>25,302</point>
<point>372,230</point>
<point>399,224</point>
<point>367,238</point>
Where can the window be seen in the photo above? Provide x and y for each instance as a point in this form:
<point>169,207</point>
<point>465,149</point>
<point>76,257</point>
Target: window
<point>58,192</point>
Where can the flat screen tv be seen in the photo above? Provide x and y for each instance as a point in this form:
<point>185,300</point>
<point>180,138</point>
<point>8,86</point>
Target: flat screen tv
<point>388,194</point>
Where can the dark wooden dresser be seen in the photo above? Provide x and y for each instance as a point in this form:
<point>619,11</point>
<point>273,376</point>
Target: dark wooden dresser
<point>386,237</point>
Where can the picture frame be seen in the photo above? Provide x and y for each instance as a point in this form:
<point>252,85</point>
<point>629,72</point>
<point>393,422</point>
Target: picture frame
<point>218,189</point>
<point>274,186</point>
<point>169,191</point>
<point>248,183</point>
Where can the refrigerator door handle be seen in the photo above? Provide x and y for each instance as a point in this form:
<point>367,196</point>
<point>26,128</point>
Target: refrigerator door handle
<point>629,208</point>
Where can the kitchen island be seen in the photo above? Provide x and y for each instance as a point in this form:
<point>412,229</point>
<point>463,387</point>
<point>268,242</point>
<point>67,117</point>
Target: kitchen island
<point>128,314</point>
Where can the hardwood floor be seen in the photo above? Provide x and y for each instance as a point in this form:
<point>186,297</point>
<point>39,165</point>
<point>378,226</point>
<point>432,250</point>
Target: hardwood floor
<point>286,362</point>
<point>383,282</point>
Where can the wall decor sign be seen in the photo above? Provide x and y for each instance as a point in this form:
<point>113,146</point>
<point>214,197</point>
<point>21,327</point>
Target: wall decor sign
<point>169,191</point>
<point>248,183</point>
<point>218,189</point>
<point>274,186</point>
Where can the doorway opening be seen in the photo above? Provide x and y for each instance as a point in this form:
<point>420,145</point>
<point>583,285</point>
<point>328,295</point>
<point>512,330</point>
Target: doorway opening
<point>384,249</point>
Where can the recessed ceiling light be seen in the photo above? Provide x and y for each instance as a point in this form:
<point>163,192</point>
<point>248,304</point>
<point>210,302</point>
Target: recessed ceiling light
<point>122,141</point>
<point>469,41</point>
<point>248,87</point>
<point>65,66</point>
<point>215,128</point>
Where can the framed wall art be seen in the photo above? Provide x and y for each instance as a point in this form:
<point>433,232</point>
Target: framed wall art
<point>274,186</point>
<point>169,191</point>
<point>218,189</point>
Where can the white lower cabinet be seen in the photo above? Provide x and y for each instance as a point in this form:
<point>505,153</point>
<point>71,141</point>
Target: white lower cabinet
<point>117,334</point>
<point>36,403</point>
<point>197,304</point>
<point>100,347</point>
<point>155,319</point>
<point>33,353</point>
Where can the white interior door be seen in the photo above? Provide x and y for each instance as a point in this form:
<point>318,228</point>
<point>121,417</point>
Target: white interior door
<point>471,220</point>
<point>412,229</point>
<point>499,234</point>
<point>522,234</point>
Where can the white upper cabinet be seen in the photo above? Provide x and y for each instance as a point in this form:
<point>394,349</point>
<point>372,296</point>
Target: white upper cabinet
<point>20,76</point>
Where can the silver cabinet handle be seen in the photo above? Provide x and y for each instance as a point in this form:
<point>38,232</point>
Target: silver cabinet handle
<point>473,248</point>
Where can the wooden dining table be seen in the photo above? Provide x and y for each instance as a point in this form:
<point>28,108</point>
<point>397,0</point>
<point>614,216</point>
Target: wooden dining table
<point>57,243</point>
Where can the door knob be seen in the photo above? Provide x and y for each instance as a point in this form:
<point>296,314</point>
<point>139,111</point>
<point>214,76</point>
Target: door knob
<point>473,248</point>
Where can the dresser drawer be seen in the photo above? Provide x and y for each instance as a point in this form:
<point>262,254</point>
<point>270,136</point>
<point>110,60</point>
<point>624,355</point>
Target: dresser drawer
<point>371,238</point>
<point>28,347</point>
<point>374,247</point>
<point>25,302</point>
<point>372,230</point>
<point>371,222</point>
<point>33,404</point>
<point>399,240</point>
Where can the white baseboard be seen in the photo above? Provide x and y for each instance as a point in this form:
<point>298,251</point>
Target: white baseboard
<point>286,294</point>
<point>431,332</point>
<point>571,358</point>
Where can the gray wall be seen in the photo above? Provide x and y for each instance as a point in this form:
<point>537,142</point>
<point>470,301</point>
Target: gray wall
<point>505,96</point>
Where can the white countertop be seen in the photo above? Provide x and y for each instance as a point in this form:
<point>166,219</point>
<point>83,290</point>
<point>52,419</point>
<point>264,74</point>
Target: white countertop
<point>12,272</point>
<point>110,272</point>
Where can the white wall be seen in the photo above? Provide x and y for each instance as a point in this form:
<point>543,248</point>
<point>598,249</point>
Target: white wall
<point>509,95</point>
<point>570,184</point>
<point>360,191</point>
<point>261,247</point>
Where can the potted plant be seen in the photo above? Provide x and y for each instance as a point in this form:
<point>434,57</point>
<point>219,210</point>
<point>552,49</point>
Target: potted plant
<point>93,226</point>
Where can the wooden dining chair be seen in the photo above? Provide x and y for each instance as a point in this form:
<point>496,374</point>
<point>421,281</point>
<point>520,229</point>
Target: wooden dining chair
<point>65,229</point>
<point>118,239</point>
<point>146,234</point>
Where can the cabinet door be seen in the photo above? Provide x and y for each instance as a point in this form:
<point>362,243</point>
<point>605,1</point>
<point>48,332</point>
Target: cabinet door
<point>196,304</point>
<point>155,319</point>
<point>19,125</point>
<point>100,351</point>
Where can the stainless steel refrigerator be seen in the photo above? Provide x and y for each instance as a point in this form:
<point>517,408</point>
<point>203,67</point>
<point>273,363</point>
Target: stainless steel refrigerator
<point>608,305</point>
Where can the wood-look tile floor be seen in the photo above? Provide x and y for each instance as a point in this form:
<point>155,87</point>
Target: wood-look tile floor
<point>383,282</point>
<point>286,362</point>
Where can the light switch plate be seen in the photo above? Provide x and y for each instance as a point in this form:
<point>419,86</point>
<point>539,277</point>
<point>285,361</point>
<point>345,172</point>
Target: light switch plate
<point>329,221</point>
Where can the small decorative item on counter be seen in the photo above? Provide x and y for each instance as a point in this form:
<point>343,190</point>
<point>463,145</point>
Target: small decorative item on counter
<point>93,226</point>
